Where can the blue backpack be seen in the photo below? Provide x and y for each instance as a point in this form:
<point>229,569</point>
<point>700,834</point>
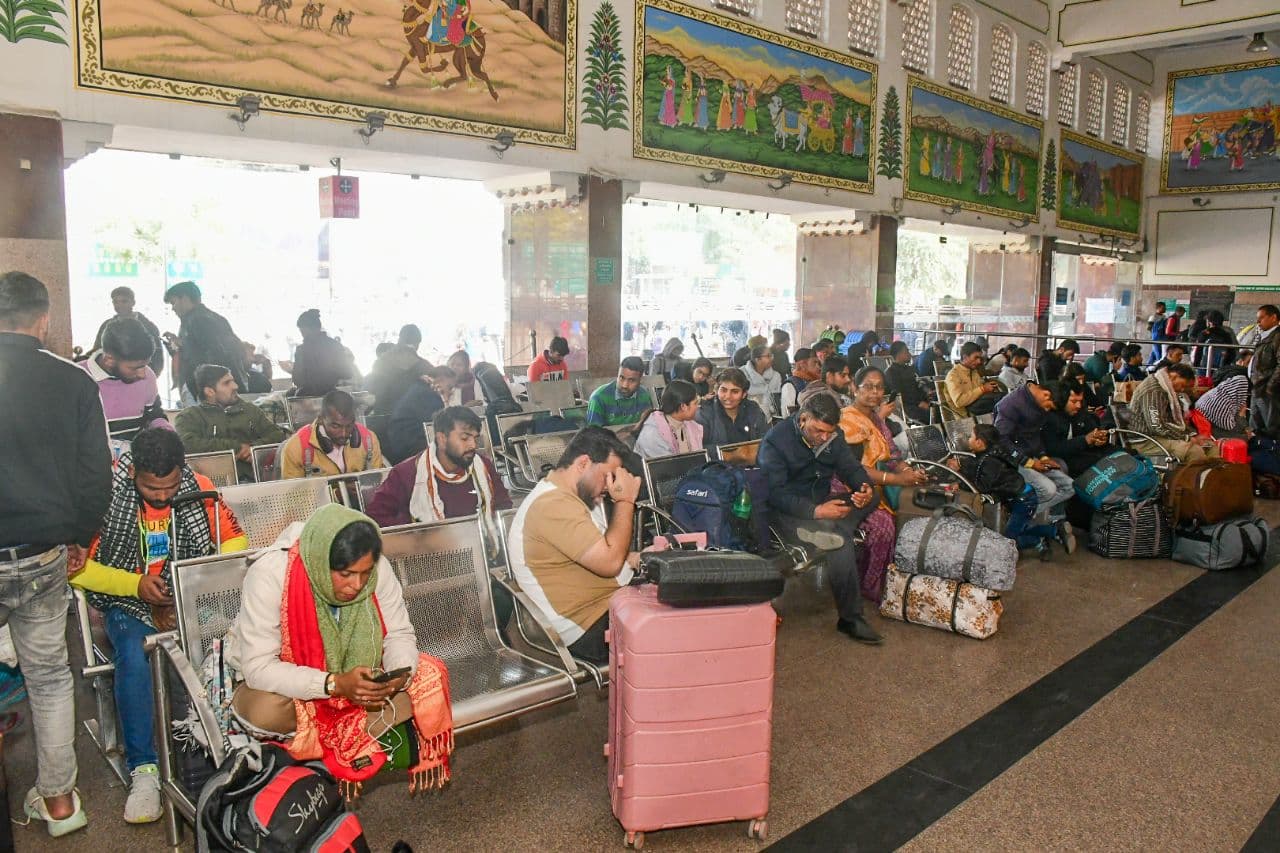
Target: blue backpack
<point>704,503</point>
<point>1116,479</point>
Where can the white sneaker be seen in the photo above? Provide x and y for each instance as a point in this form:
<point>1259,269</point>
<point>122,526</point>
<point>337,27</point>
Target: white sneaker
<point>820,539</point>
<point>143,805</point>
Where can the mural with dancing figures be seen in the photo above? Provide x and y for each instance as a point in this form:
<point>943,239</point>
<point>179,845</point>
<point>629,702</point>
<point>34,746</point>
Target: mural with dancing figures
<point>1100,187</point>
<point>471,67</point>
<point>1222,132</point>
<point>715,92</point>
<point>961,150</point>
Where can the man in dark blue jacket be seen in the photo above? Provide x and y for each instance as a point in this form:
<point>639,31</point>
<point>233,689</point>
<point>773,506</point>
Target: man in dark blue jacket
<point>800,456</point>
<point>1020,417</point>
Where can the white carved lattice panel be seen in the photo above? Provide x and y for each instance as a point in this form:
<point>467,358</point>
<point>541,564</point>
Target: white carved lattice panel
<point>805,17</point>
<point>1095,97</point>
<point>1001,64</point>
<point>916,36</point>
<point>1141,120</point>
<point>1068,89</point>
<point>1120,115</point>
<point>864,26</point>
<point>1037,77</point>
<point>960,48</point>
<point>741,7</point>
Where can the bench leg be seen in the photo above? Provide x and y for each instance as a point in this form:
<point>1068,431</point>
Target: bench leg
<point>105,730</point>
<point>164,731</point>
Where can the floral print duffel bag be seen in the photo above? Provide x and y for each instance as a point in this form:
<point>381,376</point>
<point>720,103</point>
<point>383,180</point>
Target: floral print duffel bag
<point>951,605</point>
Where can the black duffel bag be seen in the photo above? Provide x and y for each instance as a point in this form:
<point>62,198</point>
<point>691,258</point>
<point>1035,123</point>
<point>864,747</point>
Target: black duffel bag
<point>707,578</point>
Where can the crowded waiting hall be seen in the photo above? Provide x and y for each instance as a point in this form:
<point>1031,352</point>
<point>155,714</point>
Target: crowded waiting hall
<point>697,424</point>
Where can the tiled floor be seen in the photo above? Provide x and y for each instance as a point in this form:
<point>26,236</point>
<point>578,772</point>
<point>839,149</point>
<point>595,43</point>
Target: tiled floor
<point>1180,752</point>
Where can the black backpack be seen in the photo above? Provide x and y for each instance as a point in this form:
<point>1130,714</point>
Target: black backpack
<point>261,799</point>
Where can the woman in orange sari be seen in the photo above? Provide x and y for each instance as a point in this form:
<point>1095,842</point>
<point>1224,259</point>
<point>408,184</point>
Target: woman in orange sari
<point>322,616</point>
<point>864,427</point>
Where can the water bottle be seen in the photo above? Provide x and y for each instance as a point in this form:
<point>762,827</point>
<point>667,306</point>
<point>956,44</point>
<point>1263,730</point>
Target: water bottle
<point>742,506</point>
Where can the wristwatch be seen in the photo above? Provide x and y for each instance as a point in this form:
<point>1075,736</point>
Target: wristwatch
<point>329,683</point>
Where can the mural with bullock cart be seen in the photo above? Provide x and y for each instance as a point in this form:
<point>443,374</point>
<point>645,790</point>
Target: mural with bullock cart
<point>714,92</point>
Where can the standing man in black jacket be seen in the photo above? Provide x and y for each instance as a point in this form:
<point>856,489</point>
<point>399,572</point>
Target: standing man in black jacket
<point>203,338</point>
<point>800,456</point>
<point>55,489</point>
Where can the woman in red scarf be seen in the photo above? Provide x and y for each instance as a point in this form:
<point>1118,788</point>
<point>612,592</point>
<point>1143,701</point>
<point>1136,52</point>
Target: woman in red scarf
<point>322,614</point>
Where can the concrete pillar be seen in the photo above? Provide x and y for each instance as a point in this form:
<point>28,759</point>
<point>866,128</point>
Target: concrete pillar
<point>604,200</point>
<point>33,217</point>
<point>886,275</point>
<point>1044,287</point>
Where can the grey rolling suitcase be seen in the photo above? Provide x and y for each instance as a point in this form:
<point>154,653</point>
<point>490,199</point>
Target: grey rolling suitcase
<point>954,544</point>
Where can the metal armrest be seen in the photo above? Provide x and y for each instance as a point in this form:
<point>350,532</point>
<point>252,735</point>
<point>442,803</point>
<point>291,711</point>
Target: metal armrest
<point>95,662</point>
<point>558,647</point>
<point>1169,459</point>
<point>167,644</point>
<point>985,498</point>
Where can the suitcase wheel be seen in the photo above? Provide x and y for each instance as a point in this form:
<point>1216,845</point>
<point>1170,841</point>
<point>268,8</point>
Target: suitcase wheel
<point>634,840</point>
<point>758,829</point>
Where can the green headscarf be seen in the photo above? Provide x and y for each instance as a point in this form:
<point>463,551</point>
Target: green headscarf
<point>356,638</point>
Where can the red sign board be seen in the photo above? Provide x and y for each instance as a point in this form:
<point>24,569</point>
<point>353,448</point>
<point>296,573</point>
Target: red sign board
<point>339,197</point>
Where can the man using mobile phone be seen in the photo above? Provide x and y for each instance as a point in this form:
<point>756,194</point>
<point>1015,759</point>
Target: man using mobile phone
<point>800,456</point>
<point>146,527</point>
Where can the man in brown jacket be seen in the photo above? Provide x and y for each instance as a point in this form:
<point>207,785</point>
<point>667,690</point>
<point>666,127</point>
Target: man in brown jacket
<point>969,391</point>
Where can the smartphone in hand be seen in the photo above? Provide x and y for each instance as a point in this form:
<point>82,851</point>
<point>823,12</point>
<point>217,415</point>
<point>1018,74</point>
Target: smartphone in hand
<point>384,677</point>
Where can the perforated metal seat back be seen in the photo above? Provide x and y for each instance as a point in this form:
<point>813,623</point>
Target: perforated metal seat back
<point>551,395</point>
<point>207,595</point>
<point>506,423</point>
<point>367,482</point>
<point>303,410</point>
<point>544,451</point>
<point>959,432</point>
<point>663,474</point>
<point>743,454</point>
<point>265,467</point>
<point>878,361</point>
<point>265,509</point>
<point>219,466</point>
<point>927,442</point>
<point>588,385</point>
<point>446,587</point>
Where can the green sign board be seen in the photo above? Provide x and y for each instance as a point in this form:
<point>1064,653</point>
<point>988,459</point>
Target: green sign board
<point>606,270</point>
<point>1257,288</point>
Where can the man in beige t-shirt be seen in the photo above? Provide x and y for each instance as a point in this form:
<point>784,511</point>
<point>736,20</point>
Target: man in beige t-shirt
<point>569,556</point>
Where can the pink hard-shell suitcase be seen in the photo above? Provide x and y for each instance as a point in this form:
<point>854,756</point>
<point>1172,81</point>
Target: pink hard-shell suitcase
<point>690,713</point>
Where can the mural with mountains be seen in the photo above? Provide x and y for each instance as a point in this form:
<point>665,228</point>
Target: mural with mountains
<point>964,151</point>
<point>1100,187</point>
<point>723,94</point>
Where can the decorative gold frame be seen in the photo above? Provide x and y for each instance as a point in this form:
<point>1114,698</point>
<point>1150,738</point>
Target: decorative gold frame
<point>913,82</point>
<point>1167,153</point>
<point>642,151</point>
<point>91,74</point>
<point>1107,148</point>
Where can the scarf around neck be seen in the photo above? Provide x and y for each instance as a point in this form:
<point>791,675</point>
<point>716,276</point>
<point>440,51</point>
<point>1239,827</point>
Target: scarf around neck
<point>426,503</point>
<point>1175,402</point>
<point>354,636</point>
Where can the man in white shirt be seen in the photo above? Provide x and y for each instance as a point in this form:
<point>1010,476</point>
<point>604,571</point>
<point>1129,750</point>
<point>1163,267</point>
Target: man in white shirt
<point>1013,375</point>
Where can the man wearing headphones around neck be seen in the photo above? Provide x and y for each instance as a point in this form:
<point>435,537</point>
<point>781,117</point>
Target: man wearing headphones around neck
<point>333,444</point>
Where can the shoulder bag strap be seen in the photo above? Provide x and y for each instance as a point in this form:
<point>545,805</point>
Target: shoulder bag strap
<point>924,538</point>
<point>906,596</point>
<point>955,604</point>
<point>966,568</point>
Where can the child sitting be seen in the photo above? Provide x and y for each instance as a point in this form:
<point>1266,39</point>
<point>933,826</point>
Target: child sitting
<point>993,471</point>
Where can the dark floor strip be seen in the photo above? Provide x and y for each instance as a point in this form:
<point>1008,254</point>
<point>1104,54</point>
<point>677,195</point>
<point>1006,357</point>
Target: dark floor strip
<point>1266,838</point>
<point>904,803</point>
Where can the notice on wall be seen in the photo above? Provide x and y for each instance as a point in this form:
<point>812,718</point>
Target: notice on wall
<point>1100,311</point>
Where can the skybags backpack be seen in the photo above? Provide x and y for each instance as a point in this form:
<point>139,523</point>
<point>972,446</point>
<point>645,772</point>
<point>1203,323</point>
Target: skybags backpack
<point>704,502</point>
<point>261,799</point>
<point>1116,479</point>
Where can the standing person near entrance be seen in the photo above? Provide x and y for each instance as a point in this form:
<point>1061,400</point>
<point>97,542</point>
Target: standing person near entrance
<point>396,370</point>
<point>204,337</point>
<point>449,479</point>
<point>222,421</point>
<point>1156,324</point>
<point>621,401</point>
<point>122,300</point>
<point>550,366</point>
<point>126,383</point>
<point>1263,375</point>
<point>801,456</point>
<point>332,444</point>
<point>320,363</point>
<point>128,578</point>
<point>56,484</point>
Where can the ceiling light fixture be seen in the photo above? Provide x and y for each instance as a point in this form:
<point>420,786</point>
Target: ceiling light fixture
<point>1258,45</point>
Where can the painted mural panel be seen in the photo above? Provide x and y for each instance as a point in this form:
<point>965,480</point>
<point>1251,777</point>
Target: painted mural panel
<point>963,151</point>
<point>470,67</point>
<point>1101,187</point>
<point>714,92</point>
<point>1222,130</point>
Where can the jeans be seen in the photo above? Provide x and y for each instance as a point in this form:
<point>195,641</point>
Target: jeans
<point>33,603</point>
<point>1053,489</point>
<point>132,686</point>
<point>842,563</point>
<point>1261,413</point>
<point>1020,529</point>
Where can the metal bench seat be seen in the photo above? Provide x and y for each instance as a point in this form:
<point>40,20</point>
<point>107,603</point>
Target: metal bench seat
<point>265,509</point>
<point>537,454</point>
<point>218,465</point>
